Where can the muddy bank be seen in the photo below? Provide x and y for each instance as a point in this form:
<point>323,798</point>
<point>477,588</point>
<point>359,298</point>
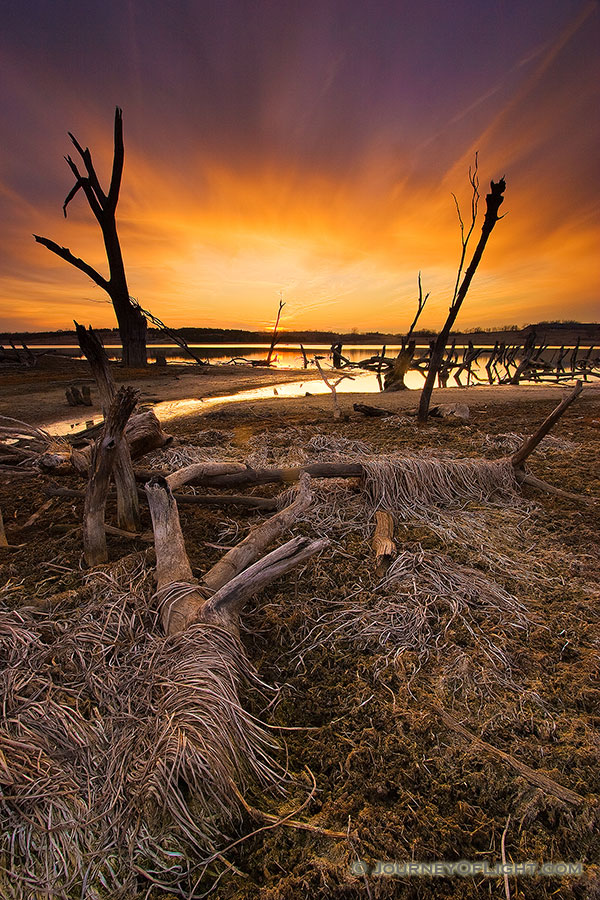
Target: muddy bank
<point>37,395</point>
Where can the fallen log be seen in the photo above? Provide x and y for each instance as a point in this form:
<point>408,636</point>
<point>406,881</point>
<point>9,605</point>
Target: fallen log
<point>252,502</point>
<point>142,434</point>
<point>183,601</point>
<point>372,411</point>
<point>244,475</point>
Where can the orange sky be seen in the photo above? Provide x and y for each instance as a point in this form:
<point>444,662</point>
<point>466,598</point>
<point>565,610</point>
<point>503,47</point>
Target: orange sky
<point>333,191</point>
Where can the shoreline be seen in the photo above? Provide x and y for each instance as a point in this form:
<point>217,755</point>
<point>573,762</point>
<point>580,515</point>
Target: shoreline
<point>37,396</point>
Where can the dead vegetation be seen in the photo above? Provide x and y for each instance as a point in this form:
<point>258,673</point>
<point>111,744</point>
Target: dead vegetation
<point>429,702</point>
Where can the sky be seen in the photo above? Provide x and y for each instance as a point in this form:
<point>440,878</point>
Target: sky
<point>309,147</point>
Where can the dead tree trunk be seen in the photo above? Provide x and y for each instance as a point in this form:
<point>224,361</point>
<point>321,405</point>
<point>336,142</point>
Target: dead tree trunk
<point>394,379</point>
<point>275,336</point>
<point>128,513</point>
<point>132,324</point>
<point>104,455</point>
<point>493,202</point>
<point>218,598</point>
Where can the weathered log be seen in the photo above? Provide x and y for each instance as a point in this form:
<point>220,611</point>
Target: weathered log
<point>251,548</point>
<point>104,455</point>
<point>224,606</point>
<point>183,601</point>
<point>383,541</point>
<point>252,502</point>
<point>181,608</point>
<point>518,458</point>
<point>372,411</point>
<point>200,472</point>
<point>144,434</point>
<point>247,476</point>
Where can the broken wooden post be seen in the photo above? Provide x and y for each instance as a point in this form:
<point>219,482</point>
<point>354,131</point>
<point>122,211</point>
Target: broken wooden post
<point>383,541</point>
<point>104,455</point>
<point>3,538</point>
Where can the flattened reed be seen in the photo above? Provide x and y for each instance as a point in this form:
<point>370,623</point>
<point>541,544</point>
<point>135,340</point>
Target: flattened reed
<point>124,754</point>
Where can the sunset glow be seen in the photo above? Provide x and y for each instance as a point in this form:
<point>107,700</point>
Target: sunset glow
<point>306,148</point>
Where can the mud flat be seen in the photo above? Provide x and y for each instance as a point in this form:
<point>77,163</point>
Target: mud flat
<point>440,713</point>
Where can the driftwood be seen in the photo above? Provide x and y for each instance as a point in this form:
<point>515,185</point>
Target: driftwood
<point>518,458</point>
<point>539,779</point>
<point>104,455</point>
<point>250,501</point>
<point>383,541</point>
<point>374,412</point>
<point>142,434</point>
<point>185,602</point>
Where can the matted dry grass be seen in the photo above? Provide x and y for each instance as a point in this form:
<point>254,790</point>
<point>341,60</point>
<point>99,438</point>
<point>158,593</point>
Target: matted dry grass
<point>490,609</point>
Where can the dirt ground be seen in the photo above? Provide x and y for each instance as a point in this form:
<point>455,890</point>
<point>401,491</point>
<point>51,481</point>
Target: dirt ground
<point>362,729</point>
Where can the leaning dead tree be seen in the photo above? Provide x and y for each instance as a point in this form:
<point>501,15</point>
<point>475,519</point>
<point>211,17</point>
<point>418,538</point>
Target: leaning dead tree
<point>132,324</point>
<point>275,336</point>
<point>494,200</point>
<point>128,513</point>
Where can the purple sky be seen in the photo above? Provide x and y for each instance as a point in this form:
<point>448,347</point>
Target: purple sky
<point>303,146</point>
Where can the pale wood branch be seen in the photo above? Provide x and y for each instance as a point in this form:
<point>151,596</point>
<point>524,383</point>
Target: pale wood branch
<point>532,442</point>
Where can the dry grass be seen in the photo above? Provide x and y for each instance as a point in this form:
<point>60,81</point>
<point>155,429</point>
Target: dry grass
<point>124,754</point>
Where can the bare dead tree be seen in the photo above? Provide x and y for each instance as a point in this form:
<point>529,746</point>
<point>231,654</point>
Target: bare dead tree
<point>132,324</point>
<point>394,379</point>
<point>275,337</point>
<point>493,202</point>
<point>421,301</point>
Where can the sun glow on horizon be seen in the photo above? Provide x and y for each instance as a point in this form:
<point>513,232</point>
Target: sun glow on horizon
<point>326,182</point>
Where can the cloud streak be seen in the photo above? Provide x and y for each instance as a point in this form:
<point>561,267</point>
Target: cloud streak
<point>310,147</point>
